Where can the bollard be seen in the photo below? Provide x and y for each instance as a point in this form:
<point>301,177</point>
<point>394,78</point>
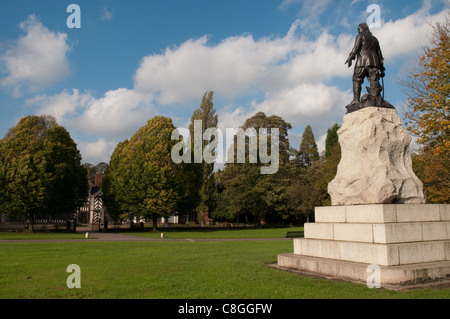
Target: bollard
<point>86,236</point>
<point>162,235</point>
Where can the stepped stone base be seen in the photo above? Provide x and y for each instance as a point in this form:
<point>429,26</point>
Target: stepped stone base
<point>408,243</point>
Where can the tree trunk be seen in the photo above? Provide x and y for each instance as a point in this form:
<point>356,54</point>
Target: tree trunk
<point>155,222</point>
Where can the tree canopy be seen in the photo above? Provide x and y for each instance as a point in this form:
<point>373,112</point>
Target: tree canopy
<point>247,194</point>
<point>428,113</point>
<point>142,179</point>
<point>40,170</point>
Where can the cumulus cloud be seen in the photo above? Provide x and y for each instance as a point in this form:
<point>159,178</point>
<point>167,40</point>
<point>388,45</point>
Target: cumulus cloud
<point>289,75</point>
<point>240,65</point>
<point>231,68</point>
<point>118,113</point>
<point>303,102</point>
<point>37,60</point>
<point>62,106</point>
<point>407,35</point>
<point>96,152</point>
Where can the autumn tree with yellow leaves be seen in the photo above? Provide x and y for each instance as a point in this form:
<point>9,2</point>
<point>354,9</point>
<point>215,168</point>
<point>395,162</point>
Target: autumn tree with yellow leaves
<point>428,114</point>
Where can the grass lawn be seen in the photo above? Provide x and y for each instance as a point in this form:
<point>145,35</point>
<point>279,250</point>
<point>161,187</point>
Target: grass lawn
<point>217,233</point>
<point>169,270</point>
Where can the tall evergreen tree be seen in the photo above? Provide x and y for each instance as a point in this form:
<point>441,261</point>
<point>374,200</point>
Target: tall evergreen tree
<point>308,152</point>
<point>332,139</point>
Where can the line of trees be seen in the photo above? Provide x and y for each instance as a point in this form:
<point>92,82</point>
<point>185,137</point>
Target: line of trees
<point>142,179</point>
<point>41,175</point>
<point>290,195</point>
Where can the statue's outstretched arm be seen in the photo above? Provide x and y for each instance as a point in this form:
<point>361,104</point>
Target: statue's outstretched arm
<point>355,51</point>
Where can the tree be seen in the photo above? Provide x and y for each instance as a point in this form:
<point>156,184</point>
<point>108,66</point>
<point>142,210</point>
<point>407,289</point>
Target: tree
<point>40,170</point>
<point>247,194</point>
<point>300,192</point>
<point>332,140</point>
<point>142,178</point>
<point>113,187</point>
<point>67,181</point>
<point>308,185</point>
<point>428,112</point>
<point>308,152</point>
<point>209,119</point>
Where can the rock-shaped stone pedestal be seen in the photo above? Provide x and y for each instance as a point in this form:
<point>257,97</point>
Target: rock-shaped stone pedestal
<point>376,165</point>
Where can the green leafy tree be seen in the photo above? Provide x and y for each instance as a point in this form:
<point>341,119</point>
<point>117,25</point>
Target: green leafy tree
<point>249,195</point>
<point>142,179</point>
<point>300,194</point>
<point>114,187</point>
<point>308,185</point>
<point>40,170</point>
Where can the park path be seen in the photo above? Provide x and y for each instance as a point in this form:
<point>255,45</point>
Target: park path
<point>109,237</point>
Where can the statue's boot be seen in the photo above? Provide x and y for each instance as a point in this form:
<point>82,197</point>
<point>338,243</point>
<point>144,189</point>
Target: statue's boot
<point>356,93</point>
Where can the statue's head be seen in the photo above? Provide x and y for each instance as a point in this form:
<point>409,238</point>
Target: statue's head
<point>363,27</point>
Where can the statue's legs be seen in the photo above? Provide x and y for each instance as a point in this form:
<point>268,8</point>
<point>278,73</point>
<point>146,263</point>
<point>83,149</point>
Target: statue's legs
<point>373,75</point>
<point>374,78</point>
<point>358,79</point>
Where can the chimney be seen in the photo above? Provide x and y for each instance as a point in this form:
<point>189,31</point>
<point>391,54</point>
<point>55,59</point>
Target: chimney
<point>98,179</point>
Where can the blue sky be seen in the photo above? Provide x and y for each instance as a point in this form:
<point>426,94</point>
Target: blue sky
<point>132,60</point>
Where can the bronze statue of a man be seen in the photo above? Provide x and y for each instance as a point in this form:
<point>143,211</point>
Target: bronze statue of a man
<point>370,64</point>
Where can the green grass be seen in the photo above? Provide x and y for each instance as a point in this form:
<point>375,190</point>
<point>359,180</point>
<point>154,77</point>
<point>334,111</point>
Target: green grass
<point>169,270</point>
<point>217,233</point>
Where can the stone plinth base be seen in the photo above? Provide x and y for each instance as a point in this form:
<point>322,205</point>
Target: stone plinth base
<point>407,243</point>
<point>393,277</point>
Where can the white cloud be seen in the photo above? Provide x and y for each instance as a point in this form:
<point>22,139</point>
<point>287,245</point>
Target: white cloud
<point>62,106</point>
<point>37,60</point>
<point>117,114</point>
<point>106,14</point>
<point>272,66</point>
<point>230,68</point>
<point>96,152</point>
<point>230,117</point>
<point>286,75</point>
<point>309,8</point>
<point>407,35</point>
<point>321,143</point>
<point>241,65</point>
<point>305,101</point>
